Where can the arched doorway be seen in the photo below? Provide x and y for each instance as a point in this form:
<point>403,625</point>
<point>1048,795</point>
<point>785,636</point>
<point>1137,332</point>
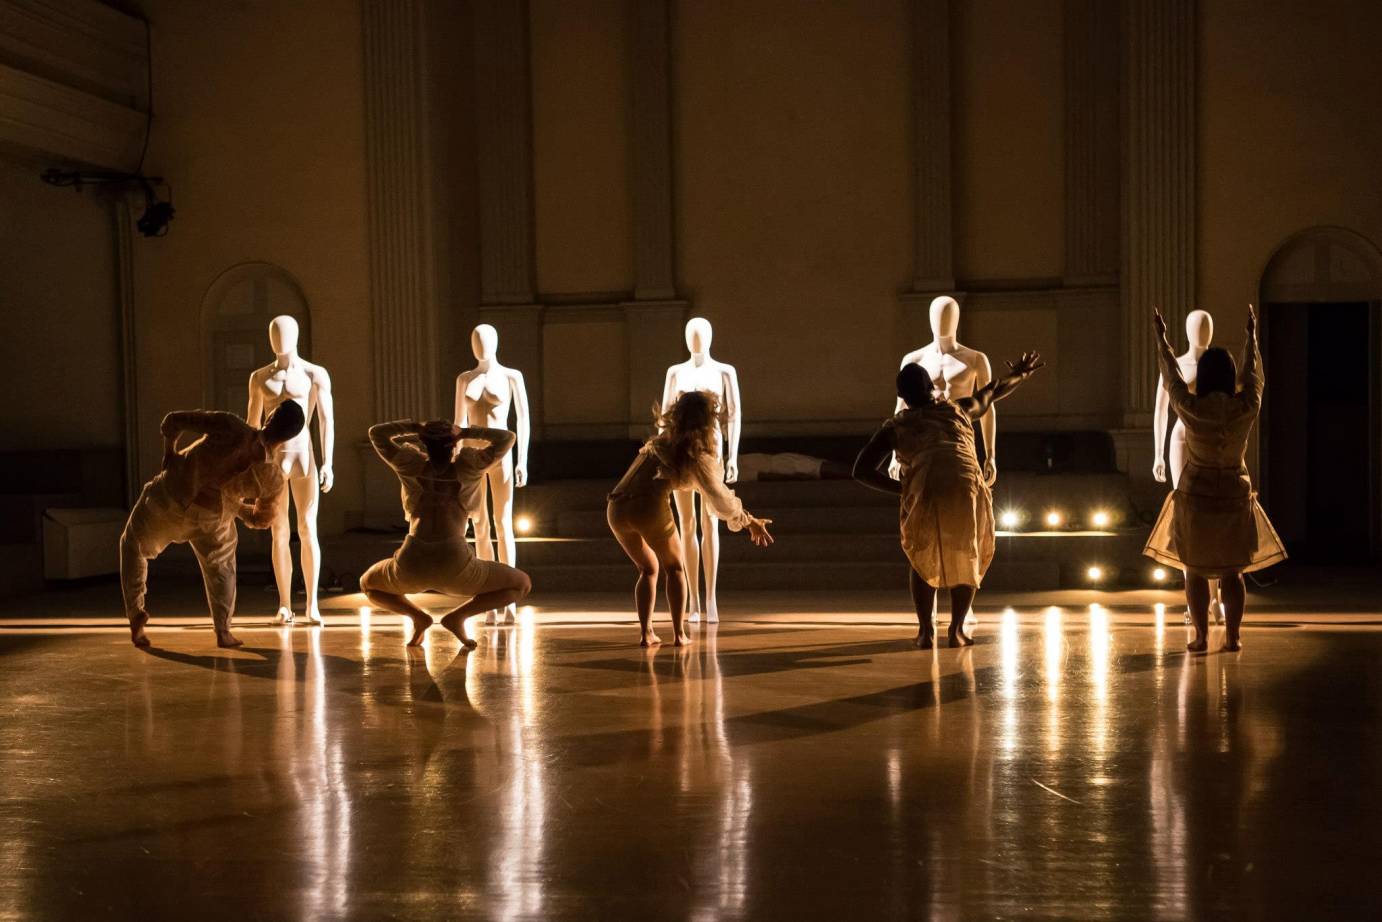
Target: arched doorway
<point>1321,297</point>
<point>236,312</point>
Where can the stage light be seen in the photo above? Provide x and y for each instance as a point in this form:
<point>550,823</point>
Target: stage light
<point>1094,573</point>
<point>1159,574</point>
<point>1100,519</point>
<point>1010,518</point>
<point>1054,519</point>
<point>524,524</point>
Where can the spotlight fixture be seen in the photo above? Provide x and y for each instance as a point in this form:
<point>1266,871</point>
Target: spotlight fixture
<point>1094,574</point>
<point>1100,518</point>
<point>1009,518</point>
<point>1054,519</point>
<point>158,211</point>
<point>524,524</point>
<point>1159,575</point>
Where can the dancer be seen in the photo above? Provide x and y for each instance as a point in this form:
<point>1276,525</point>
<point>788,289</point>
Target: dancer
<point>947,510</point>
<point>436,478</point>
<point>195,498</point>
<point>1212,526</point>
<point>682,456</point>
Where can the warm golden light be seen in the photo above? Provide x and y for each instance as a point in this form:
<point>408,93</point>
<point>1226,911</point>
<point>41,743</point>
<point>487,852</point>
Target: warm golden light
<point>1100,519</point>
<point>1054,518</point>
<point>1009,519</point>
<point>1094,573</point>
<point>1159,574</point>
<point>524,524</point>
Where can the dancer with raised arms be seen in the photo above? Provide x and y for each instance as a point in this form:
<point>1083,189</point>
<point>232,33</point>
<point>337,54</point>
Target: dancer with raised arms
<point>682,456</point>
<point>436,478</point>
<point>947,510</point>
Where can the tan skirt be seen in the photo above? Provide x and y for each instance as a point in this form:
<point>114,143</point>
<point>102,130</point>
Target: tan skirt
<point>946,521</point>
<point>1213,534</point>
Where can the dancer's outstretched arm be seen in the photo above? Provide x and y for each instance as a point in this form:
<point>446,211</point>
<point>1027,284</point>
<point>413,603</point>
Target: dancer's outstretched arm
<point>1019,371</point>
<point>1250,374</point>
<point>867,466</point>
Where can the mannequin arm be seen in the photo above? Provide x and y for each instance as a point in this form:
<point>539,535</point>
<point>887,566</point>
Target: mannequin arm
<point>523,425</point>
<point>384,437</point>
<point>667,393</point>
<point>254,413</point>
<point>1178,393</point>
<point>988,423</point>
<point>461,416</point>
<point>735,411</point>
<point>867,466</point>
<point>1161,410</point>
<point>995,390</point>
<point>326,427</point>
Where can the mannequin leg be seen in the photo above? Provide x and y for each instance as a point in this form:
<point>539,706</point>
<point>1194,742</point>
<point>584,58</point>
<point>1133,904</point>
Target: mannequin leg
<point>685,501</point>
<point>306,498</point>
<point>924,598</point>
<point>279,533</point>
<point>710,561</point>
<point>1175,457</point>
<point>479,521</point>
<point>502,484</point>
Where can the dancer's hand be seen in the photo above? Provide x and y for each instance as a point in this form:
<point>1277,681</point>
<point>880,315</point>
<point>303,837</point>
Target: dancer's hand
<point>758,532</point>
<point>1027,365</point>
<point>1252,322</point>
<point>1158,322</point>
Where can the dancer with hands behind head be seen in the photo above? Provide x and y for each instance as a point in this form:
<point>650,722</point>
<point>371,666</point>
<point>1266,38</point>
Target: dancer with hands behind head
<point>1211,526</point>
<point>947,510</point>
<point>682,456</point>
<point>436,478</point>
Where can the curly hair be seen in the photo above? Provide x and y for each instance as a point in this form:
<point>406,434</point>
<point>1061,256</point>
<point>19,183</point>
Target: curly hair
<point>687,431</point>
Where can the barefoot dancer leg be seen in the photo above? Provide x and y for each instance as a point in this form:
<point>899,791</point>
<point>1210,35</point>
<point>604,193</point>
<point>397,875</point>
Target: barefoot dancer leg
<point>961,598</point>
<point>1234,596</point>
<point>668,551</point>
<point>502,586</point>
<point>401,604</point>
<point>924,598</point>
<point>1197,597</point>
<point>645,590</point>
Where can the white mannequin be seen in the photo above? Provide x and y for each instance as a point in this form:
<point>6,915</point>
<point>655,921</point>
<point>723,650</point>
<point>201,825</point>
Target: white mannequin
<point>484,396</point>
<point>291,377</point>
<point>956,371</point>
<point>702,373</point>
<point>1199,333</point>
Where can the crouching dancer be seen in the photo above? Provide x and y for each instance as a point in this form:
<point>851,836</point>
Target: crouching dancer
<point>436,478</point>
<point>196,497</point>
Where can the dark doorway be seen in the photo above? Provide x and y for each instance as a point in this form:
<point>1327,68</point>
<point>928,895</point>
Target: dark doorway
<point>1321,455</point>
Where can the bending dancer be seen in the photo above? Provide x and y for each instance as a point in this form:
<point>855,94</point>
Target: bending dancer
<point>436,478</point>
<point>682,456</point>
<point>195,498</point>
<point>947,510</point>
<point>1212,526</point>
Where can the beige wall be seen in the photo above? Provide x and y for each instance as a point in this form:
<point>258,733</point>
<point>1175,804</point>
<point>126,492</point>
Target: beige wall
<point>260,129</point>
<point>61,343</point>
<point>1289,136</point>
<point>794,197</point>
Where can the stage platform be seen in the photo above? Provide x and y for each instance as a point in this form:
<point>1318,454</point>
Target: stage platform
<point>799,760</point>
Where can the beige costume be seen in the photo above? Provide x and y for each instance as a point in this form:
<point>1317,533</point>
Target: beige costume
<point>444,563</point>
<point>947,512</point>
<point>195,499</point>
<point>1212,524</point>
<point>639,502</point>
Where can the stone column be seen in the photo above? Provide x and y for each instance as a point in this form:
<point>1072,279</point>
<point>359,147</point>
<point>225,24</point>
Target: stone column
<point>398,163</point>
<point>1158,185</point>
<point>655,316</point>
<point>1092,148</point>
<point>504,155</point>
<point>933,270</point>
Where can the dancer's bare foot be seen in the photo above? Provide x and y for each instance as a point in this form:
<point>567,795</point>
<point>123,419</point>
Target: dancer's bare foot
<point>456,625</point>
<point>1232,643</point>
<point>227,639</point>
<point>137,622</point>
<point>420,625</point>
<point>1198,645</point>
<point>649,638</point>
<point>683,640</point>
<point>958,638</point>
<point>925,640</point>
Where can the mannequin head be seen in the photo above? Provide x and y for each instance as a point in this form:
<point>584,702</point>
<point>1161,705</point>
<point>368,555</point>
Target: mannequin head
<point>698,334</point>
<point>284,422</point>
<point>283,335</point>
<point>484,342</point>
<point>914,386</point>
<point>439,438</point>
<point>1216,373</point>
<point>945,317</point>
<point>1199,329</point>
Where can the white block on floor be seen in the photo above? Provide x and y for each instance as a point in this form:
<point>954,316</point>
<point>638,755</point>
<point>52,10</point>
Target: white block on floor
<point>81,542</point>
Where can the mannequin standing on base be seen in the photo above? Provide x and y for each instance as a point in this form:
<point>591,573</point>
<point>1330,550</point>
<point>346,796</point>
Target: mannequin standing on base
<point>291,377</point>
<point>702,373</point>
<point>1199,333</point>
<point>484,396</point>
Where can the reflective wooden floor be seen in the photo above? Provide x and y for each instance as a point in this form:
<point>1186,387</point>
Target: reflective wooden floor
<point>1075,764</point>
